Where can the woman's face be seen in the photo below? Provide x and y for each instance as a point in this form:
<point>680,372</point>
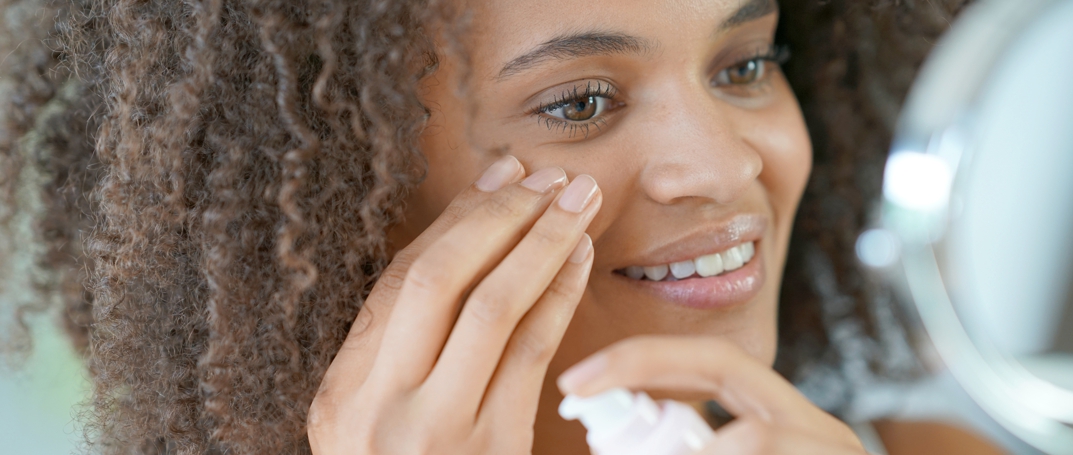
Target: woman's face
<point>677,111</point>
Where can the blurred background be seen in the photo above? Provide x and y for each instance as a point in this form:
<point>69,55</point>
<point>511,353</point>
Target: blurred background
<point>39,400</point>
<point>41,384</point>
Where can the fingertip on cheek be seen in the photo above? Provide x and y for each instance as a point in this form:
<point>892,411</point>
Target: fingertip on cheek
<point>503,172</point>
<point>577,376</point>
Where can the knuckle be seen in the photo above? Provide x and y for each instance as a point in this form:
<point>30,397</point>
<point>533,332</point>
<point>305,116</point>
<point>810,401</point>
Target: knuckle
<point>362,322</point>
<point>320,414</point>
<point>324,419</point>
<point>560,291</point>
<point>392,278</point>
<point>490,309</point>
<point>547,236</point>
<point>426,275</point>
<point>454,212</point>
<point>502,205</point>
<point>530,346</point>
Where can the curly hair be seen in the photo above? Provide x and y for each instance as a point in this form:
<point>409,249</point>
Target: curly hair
<point>209,183</point>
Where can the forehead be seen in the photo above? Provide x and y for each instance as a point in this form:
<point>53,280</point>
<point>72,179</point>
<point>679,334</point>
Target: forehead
<point>505,29</point>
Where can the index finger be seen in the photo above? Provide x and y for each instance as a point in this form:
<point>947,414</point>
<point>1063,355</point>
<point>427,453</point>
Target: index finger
<point>363,340</point>
<point>503,172</point>
<point>741,384</point>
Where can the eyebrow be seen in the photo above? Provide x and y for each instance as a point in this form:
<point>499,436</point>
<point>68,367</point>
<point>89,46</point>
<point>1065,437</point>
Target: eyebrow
<point>577,45</point>
<point>750,11</point>
<point>589,44</point>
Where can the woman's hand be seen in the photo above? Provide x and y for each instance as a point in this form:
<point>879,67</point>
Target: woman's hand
<point>773,418</point>
<point>449,353</point>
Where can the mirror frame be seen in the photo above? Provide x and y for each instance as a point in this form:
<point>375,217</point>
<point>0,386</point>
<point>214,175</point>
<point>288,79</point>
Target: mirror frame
<point>917,206</point>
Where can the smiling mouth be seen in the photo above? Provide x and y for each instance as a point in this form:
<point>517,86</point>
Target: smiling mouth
<point>705,266</point>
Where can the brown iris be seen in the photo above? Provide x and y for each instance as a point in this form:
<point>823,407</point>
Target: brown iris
<point>745,73</point>
<point>580,109</point>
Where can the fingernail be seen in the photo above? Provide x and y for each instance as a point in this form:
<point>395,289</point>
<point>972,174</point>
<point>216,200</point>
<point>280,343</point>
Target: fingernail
<point>577,196</point>
<point>581,251</point>
<point>581,373</point>
<point>499,174</point>
<point>545,180</point>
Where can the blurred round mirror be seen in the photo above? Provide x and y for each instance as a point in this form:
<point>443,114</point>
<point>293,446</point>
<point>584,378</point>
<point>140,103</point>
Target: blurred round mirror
<point>978,212</point>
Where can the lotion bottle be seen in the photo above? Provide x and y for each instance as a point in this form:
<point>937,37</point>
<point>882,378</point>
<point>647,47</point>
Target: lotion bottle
<point>623,423</point>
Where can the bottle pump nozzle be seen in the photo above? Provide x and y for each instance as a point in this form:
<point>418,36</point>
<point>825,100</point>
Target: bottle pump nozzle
<point>623,423</point>
<point>606,412</point>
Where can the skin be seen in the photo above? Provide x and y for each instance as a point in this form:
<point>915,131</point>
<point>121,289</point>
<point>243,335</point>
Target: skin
<point>461,341</point>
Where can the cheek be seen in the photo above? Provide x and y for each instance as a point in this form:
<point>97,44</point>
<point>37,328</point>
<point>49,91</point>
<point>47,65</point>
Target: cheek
<point>781,138</point>
<point>786,151</point>
<point>451,167</point>
<point>451,163</point>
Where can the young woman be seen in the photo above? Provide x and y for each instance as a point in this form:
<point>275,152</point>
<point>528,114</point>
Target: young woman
<point>387,227</point>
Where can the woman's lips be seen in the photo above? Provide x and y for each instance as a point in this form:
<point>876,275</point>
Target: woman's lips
<point>720,291</point>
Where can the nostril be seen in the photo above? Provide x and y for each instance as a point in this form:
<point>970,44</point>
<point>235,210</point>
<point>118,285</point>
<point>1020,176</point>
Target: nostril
<point>721,177</point>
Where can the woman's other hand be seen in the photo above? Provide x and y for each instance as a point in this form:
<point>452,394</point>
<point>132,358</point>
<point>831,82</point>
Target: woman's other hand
<point>772,417</point>
<point>449,352</point>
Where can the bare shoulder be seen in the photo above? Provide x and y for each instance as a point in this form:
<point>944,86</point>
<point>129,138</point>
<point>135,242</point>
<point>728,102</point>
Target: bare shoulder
<point>926,438</point>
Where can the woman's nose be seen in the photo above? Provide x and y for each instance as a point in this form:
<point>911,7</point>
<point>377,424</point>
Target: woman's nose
<point>694,151</point>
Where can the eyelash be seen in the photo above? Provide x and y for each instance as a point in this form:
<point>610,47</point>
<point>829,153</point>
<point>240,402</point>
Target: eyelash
<point>779,54</point>
<point>599,90</point>
<point>775,53</point>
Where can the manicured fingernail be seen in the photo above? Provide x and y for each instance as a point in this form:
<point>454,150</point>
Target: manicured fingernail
<point>545,180</point>
<point>581,251</point>
<point>577,196</point>
<point>499,174</point>
<point>581,373</point>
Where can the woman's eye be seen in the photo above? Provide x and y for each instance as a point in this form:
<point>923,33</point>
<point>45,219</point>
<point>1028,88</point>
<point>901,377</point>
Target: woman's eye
<point>742,73</point>
<point>580,109</point>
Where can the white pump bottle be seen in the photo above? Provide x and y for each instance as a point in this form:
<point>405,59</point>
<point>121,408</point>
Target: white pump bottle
<point>624,423</point>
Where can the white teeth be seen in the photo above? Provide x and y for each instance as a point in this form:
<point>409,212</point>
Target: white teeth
<point>709,265</point>
<point>748,250</point>
<point>705,266</point>
<point>683,269</point>
<point>732,259</point>
<point>656,273</point>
